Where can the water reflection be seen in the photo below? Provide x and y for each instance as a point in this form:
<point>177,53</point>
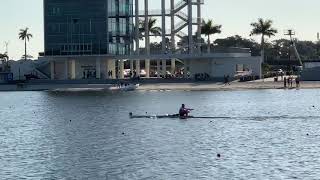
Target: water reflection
<point>271,134</point>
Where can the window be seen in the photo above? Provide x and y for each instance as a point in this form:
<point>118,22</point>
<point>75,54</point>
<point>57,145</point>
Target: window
<point>54,11</point>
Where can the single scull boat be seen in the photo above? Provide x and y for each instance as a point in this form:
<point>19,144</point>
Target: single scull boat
<point>173,116</point>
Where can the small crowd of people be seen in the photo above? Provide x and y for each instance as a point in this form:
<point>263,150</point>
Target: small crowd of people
<point>122,84</point>
<point>288,82</point>
<point>202,76</point>
<point>89,74</point>
<point>110,73</point>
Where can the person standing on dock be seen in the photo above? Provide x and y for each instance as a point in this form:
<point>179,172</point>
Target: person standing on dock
<point>285,82</point>
<point>298,82</point>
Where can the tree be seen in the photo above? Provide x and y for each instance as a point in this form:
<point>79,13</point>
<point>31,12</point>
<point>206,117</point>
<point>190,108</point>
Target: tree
<point>208,29</point>
<point>238,42</point>
<point>184,41</point>
<point>4,58</point>
<point>263,28</point>
<point>25,36</point>
<point>281,49</point>
<point>153,29</point>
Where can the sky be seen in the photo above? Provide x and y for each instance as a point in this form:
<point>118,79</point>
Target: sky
<point>235,17</point>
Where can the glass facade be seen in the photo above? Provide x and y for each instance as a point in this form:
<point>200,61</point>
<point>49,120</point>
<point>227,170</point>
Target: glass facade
<point>120,26</point>
<point>82,27</point>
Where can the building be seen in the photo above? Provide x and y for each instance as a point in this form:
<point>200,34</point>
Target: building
<point>81,35</point>
<point>95,40</point>
<point>311,71</point>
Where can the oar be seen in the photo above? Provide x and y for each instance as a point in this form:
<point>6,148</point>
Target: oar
<point>208,117</point>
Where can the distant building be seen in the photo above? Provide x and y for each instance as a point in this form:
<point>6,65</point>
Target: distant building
<point>82,27</point>
<point>311,71</point>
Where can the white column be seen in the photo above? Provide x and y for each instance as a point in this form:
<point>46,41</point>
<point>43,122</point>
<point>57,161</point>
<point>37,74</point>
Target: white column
<point>164,67</point>
<point>190,26</point>
<point>146,24</point>
<point>185,68</point>
<point>52,70</point>
<point>121,68</point>
<point>163,27</point>
<point>147,64</point>
<point>131,67</point>
<point>173,42</point>
<point>138,69</point>
<point>98,68</point>
<point>158,69</point>
<point>199,25</point>
<point>73,69</point>
<point>147,38</point>
<point>137,26</point>
<point>137,34</point>
<point>173,66</point>
<point>66,76</point>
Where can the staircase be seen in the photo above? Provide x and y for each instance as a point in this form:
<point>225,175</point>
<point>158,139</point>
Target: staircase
<point>38,69</point>
<point>183,16</point>
<point>181,34</point>
<point>180,5</point>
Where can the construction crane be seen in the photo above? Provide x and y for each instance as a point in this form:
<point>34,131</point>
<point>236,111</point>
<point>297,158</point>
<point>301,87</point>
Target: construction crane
<point>291,33</point>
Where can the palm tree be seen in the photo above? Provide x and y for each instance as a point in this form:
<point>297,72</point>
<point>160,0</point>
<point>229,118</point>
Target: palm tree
<point>153,29</point>
<point>263,28</point>
<point>208,29</point>
<point>25,36</point>
<point>3,56</point>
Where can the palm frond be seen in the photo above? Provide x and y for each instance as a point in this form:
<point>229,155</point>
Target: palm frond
<point>209,28</point>
<point>263,27</point>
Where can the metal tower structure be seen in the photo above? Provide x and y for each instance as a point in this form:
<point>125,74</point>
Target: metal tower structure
<point>291,33</point>
<point>182,17</point>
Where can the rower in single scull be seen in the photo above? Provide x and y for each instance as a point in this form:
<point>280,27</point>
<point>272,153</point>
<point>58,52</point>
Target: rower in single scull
<point>184,112</point>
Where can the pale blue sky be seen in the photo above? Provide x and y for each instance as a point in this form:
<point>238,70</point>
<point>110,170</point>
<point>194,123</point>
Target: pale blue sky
<point>234,15</point>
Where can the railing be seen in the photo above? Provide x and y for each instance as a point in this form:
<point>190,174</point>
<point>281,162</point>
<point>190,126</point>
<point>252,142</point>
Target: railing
<point>180,25</point>
<point>154,12</point>
<point>181,34</point>
<point>182,15</point>
<point>180,4</point>
<point>196,1</point>
<point>182,50</point>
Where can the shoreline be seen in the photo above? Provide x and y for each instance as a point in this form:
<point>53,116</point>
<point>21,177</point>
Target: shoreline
<point>190,86</point>
<point>234,86</point>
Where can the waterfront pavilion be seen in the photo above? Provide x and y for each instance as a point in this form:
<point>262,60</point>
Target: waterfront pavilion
<point>99,39</point>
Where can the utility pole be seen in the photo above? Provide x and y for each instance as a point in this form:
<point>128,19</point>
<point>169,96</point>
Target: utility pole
<point>290,33</point>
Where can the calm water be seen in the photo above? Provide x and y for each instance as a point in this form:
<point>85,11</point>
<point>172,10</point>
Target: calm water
<point>273,134</point>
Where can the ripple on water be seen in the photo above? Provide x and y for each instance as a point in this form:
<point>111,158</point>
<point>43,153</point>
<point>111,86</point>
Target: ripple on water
<point>271,134</point>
